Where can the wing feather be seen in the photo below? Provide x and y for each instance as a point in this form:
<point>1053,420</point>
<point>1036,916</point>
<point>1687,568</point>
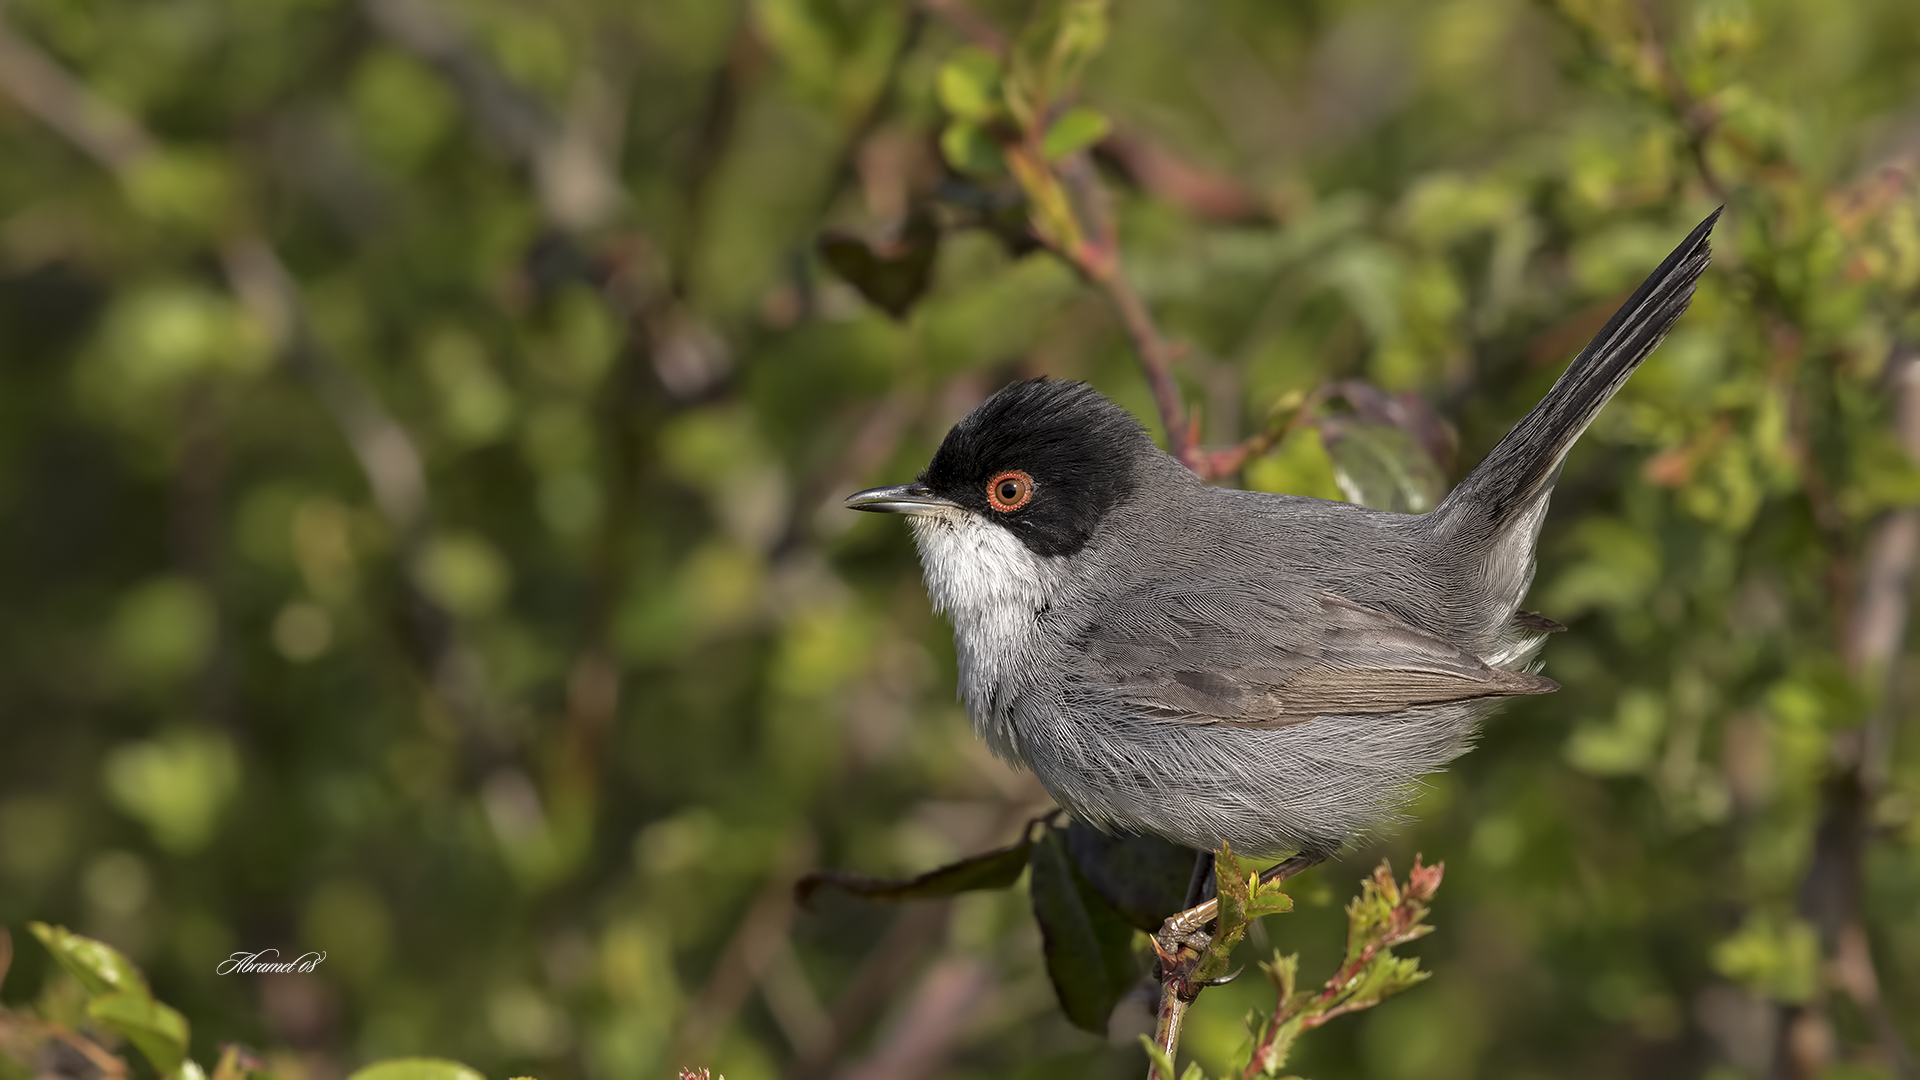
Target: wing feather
<point>1271,658</point>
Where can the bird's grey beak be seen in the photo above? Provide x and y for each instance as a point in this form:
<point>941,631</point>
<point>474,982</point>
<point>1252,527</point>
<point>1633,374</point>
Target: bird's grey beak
<point>913,498</point>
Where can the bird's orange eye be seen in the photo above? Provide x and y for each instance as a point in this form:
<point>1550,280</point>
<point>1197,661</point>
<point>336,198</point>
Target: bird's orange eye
<point>1009,491</point>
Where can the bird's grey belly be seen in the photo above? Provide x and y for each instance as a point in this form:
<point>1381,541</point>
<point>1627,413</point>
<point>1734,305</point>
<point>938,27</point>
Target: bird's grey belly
<point>1267,791</point>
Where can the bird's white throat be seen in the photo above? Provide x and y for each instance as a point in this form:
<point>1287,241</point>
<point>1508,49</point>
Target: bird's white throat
<point>993,588</point>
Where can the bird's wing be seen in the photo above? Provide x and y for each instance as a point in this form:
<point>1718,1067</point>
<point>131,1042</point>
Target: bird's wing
<point>1266,658</point>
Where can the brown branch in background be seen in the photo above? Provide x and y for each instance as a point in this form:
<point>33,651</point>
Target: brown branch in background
<point>933,1020</point>
<point>817,510</point>
<point>887,965</point>
<point>1099,262</point>
<point>761,933</point>
<point>1830,894</point>
<point>968,23</point>
<point>569,157</point>
<point>1880,617</point>
<point>847,162</point>
<point>1170,178</point>
<point>1871,605</point>
<point>569,161</point>
<point>385,452</point>
<point>394,471</point>
<point>1070,188</point>
<point>719,117</point>
<point>44,89</point>
<point>1696,118</point>
<point>1156,356</point>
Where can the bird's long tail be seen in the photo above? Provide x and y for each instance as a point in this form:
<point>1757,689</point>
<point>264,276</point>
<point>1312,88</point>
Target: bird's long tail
<point>1509,483</point>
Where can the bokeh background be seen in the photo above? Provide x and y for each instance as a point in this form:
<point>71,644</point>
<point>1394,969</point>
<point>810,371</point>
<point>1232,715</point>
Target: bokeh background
<point>422,426</point>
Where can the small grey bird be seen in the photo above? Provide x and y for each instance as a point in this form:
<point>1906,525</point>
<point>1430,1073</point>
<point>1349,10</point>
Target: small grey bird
<point>1210,665</point>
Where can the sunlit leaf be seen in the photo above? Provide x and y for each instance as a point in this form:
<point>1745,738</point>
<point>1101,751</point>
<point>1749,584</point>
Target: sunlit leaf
<point>158,1031</point>
<point>1074,130</point>
<point>416,1068</point>
<point>100,967</point>
<point>1779,958</point>
<point>969,85</point>
<point>177,784</point>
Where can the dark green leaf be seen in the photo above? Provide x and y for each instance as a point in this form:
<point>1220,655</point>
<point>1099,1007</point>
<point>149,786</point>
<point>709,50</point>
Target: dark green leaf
<point>1145,878</point>
<point>969,148</point>
<point>100,968</point>
<point>1382,466</point>
<point>160,1033</point>
<point>994,870</point>
<point>1088,945</point>
<point>891,277</point>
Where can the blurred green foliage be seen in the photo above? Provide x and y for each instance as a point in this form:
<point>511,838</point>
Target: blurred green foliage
<point>422,429</point>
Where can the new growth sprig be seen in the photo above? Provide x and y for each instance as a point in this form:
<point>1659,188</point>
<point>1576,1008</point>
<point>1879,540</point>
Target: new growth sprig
<point>1384,916</point>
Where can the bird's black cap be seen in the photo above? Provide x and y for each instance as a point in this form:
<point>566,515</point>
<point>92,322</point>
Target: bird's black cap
<point>1080,452</point>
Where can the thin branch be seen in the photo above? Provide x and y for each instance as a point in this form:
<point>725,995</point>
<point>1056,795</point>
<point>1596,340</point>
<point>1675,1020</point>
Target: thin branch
<point>1180,943</point>
<point>565,155</point>
<point>259,279</point>
<point>44,89</point>
<point>888,964</point>
<point>934,1018</point>
<point>1156,356</point>
<point>968,23</point>
<point>745,960</point>
<point>1831,893</point>
<point>1171,178</point>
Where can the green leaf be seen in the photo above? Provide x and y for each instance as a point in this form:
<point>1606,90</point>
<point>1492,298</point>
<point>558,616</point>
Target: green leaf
<point>1382,467</point>
<point>160,1033</point>
<point>1283,972</point>
<point>1087,944</point>
<point>1267,898</point>
<point>969,85</point>
<point>1145,878</point>
<point>192,190</point>
<point>1300,465</point>
<point>892,277</point>
<point>416,1068</point>
<point>100,967</point>
<point>968,148</point>
<point>996,869</point>
<point>1050,53</point>
<point>1157,1057</point>
<point>1778,958</point>
<point>1242,898</point>
<point>1076,129</point>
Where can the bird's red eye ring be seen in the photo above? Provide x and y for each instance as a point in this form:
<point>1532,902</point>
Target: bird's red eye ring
<point>1009,491</point>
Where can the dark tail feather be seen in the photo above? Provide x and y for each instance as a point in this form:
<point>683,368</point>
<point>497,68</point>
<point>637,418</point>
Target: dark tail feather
<point>1525,462</point>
